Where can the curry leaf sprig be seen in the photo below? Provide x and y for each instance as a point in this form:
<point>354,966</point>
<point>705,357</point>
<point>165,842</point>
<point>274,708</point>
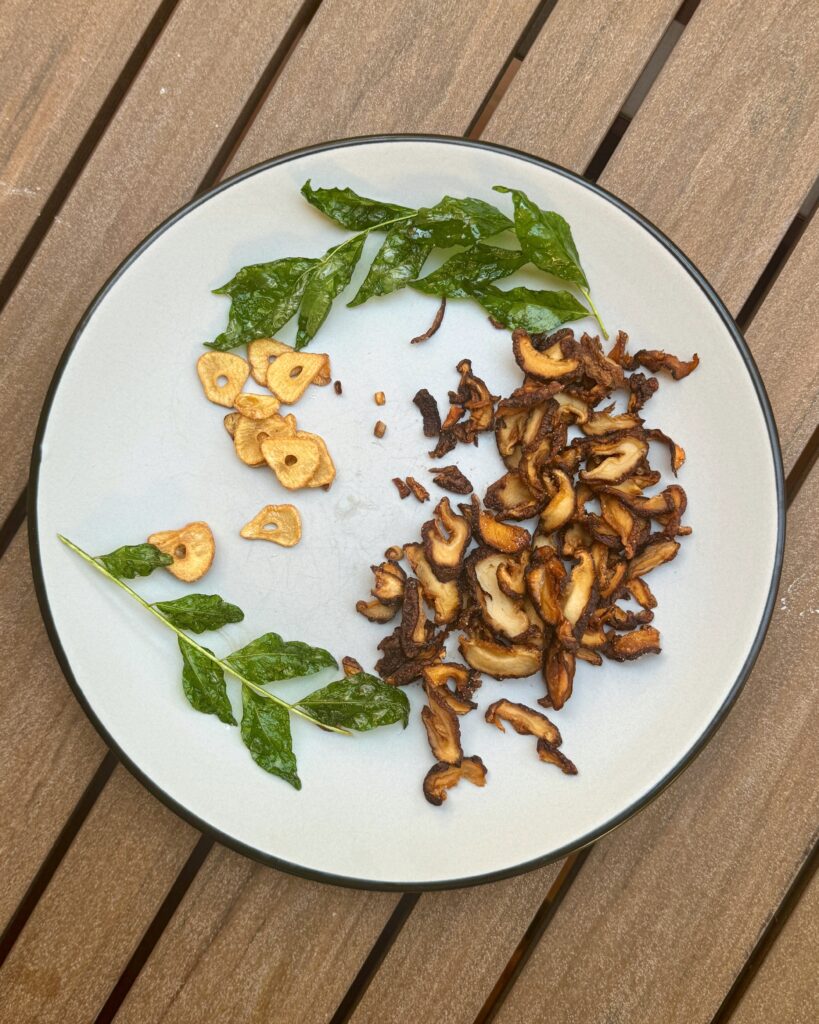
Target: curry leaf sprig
<point>265,296</point>
<point>358,702</point>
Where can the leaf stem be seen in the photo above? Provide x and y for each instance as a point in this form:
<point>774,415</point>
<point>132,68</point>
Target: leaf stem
<point>224,665</point>
<point>588,298</point>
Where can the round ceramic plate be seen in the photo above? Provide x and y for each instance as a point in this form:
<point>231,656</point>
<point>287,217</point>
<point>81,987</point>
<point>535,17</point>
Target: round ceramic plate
<point>128,445</point>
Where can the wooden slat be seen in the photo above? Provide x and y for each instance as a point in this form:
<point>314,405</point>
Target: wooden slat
<point>671,904</point>
<point>784,330</point>
<point>250,944</point>
<point>392,67</point>
<point>451,951</point>
<point>84,928</point>
<point>48,748</point>
<point>576,77</point>
<point>155,153</point>
<point>786,987</point>
<point>152,158</point>
<point>731,131</point>
<point>58,62</point>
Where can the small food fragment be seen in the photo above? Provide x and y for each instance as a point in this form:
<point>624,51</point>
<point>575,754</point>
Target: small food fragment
<point>450,478</point>
<point>337,387</point>
<point>257,407</point>
<point>294,460</point>
<point>446,537</point>
<point>401,487</point>
<point>351,666</point>
<point>279,523</point>
<point>433,327</point>
<point>260,355</point>
<point>443,776</point>
<point>376,611</point>
<point>645,640</point>
<point>380,428</point>
<point>292,373</point>
<point>231,421</point>
<point>223,376</point>
<point>420,492</point>
<point>192,548</point>
<point>248,435</point>
<point>379,397</point>
<point>551,755</point>
<point>429,411</point>
<point>324,376</point>
<point>394,553</point>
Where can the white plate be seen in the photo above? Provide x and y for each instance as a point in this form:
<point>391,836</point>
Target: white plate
<point>128,445</point>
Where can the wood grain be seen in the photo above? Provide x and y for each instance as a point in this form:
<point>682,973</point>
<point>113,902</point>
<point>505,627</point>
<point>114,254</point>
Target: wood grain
<point>85,927</point>
<point>729,130</point>
<point>252,944</point>
<point>58,61</point>
<point>455,945</point>
<point>669,907</point>
<point>783,331</point>
<point>580,69</point>
<point>786,987</point>
<point>152,158</point>
<point>48,748</point>
<point>391,71</point>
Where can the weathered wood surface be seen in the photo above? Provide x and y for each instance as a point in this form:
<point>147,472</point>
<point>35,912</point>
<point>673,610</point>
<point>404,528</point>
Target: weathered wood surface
<point>85,927</point>
<point>786,988</point>
<point>58,62</point>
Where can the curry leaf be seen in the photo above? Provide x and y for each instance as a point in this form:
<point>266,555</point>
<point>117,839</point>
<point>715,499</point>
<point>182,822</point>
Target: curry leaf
<point>458,222</point>
<point>264,297</point>
<point>269,658</point>
<point>266,734</point>
<point>330,277</point>
<point>199,612</point>
<point>396,264</point>
<point>204,684</point>
<point>358,702</point>
<point>351,210</point>
<point>535,311</point>
<point>134,560</point>
<point>465,270</point>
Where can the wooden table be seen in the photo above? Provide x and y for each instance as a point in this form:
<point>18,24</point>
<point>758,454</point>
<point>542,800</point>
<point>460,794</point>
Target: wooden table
<point>706,118</point>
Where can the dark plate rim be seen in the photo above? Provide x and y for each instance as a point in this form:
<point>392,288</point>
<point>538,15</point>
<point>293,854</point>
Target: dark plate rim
<point>582,841</point>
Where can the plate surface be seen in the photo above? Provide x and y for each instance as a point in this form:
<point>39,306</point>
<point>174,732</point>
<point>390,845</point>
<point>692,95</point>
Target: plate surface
<point>129,445</point>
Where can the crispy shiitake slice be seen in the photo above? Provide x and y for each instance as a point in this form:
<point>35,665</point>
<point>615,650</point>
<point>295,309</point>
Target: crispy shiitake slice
<point>604,422</point>
<point>654,360</point>
<point>450,478</point>
<point>192,548</point>
<point>389,582</point>
<point>502,614</point>
<point>641,592</point>
<point>443,730</point>
<point>539,364</point>
<point>620,457</point>
<point>524,720</point>
<point>428,408</point>
<point>414,625</point>
<point>464,680</point>
<point>278,523</point>
<point>514,662</point>
<point>511,498</point>
<point>442,777</point>
<point>294,460</point>
<point>442,596</point>
<point>558,670</point>
<point>657,551</point>
<point>545,579</point>
<point>446,537</point>
<point>494,534</point>
<point>512,574</point>
<point>561,504</point>
<point>551,755</point>
<point>580,592</point>
<point>628,646</point>
<point>223,376</point>
<point>292,373</point>
<point>376,611</point>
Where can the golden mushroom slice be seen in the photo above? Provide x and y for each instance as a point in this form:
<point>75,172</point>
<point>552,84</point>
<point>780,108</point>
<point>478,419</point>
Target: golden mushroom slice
<point>248,435</point>
<point>539,364</point>
<point>257,407</point>
<point>441,724</point>
<point>278,523</point>
<point>223,376</point>
<point>192,548</point>
<point>443,776</point>
<point>294,460</point>
<point>517,661</point>
<point>524,720</point>
<point>446,537</point>
<point>261,353</point>
<point>292,373</point>
<point>443,597</point>
<point>620,458</point>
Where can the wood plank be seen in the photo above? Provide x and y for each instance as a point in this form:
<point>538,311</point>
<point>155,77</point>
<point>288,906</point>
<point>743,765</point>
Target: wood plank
<point>151,160</point>
<point>57,66</point>
<point>85,927</point>
<point>784,330</point>
<point>581,68</point>
<point>48,748</point>
<point>786,987</point>
<point>731,130</point>
<point>452,950</point>
<point>392,70</point>
<point>670,905</point>
<point>166,135</point>
<point>251,944</point>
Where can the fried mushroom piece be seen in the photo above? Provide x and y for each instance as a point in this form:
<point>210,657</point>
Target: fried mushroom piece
<point>558,670</point>
<point>420,492</point>
<point>512,574</point>
<point>376,611</point>
<point>450,478</point>
<point>443,730</point>
<point>511,498</point>
<point>551,755</point>
<point>446,537</point>
<point>657,551</point>
<point>415,629</point>
<point>442,777</point>
<point>401,487</point>
<point>443,597</point>
<point>428,408</point>
<point>504,615</point>
<point>561,504</point>
<point>516,661</point>
<point>494,534</point>
<point>628,646</point>
<point>474,396</point>
<point>641,388</point>
<point>389,582</point>
<point>580,593</point>
<point>675,451</point>
<point>524,720</point>
<point>539,364</point>
<point>619,458</point>
<point>351,666</point>
<point>655,360</point>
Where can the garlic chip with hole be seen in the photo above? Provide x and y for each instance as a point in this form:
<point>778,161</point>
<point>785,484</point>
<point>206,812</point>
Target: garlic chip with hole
<point>278,523</point>
<point>192,548</point>
<point>223,376</point>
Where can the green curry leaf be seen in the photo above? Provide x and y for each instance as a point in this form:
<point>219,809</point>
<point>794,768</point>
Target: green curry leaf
<point>350,210</point>
<point>458,222</point>
<point>465,270</point>
<point>204,684</point>
<point>396,264</point>
<point>535,311</point>
<point>269,658</point>
<point>134,560</point>
<point>266,734</point>
<point>330,277</point>
<point>199,612</point>
<point>358,702</point>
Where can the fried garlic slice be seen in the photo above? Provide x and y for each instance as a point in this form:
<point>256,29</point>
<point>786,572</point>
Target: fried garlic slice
<point>223,376</point>
<point>192,548</point>
<point>278,523</point>
<point>294,460</point>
